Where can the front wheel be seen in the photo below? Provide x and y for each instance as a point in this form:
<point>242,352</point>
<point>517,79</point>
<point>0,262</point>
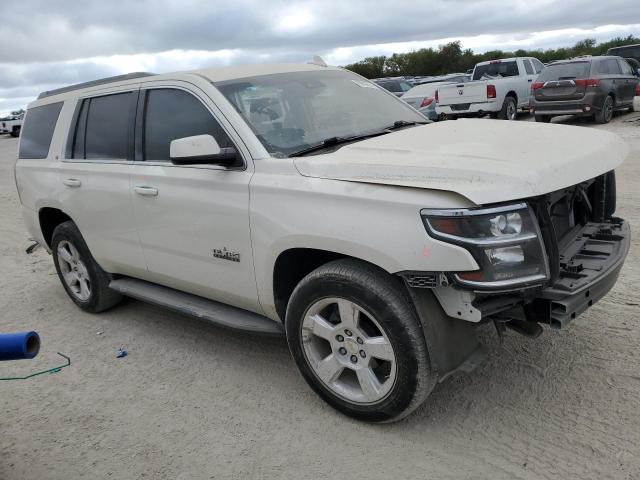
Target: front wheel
<point>81,276</point>
<point>15,132</point>
<point>358,342</point>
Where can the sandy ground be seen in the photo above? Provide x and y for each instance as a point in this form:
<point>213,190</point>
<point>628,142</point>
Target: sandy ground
<point>192,401</point>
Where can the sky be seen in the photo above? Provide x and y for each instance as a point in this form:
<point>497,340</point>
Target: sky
<point>48,44</point>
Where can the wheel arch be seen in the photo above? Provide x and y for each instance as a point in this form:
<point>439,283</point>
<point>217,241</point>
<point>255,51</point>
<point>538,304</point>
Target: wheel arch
<point>293,264</point>
<point>49,218</point>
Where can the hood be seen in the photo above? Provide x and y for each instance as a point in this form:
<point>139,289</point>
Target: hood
<point>484,160</point>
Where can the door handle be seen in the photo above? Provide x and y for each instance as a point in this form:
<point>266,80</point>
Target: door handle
<point>146,191</point>
<point>72,182</point>
<point>530,80</point>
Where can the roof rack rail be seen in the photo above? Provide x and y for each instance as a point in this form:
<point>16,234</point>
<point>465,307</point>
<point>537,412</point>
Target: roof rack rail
<point>94,83</point>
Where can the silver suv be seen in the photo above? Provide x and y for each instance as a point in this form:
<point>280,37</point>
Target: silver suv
<point>305,201</point>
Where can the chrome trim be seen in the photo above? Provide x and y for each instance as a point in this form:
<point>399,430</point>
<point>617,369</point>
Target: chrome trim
<point>512,239</point>
<point>539,278</point>
<point>464,212</point>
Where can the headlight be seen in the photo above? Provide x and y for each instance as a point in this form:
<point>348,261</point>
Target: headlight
<point>505,241</point>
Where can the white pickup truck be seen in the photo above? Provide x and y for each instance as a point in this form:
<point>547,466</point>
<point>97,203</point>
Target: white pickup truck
<point>11,125</point>
<point>498,88</point>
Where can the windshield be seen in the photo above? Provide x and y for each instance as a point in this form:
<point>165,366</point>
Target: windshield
<point>291,111</point>
<point>496,69</point>
<point>565,71</point>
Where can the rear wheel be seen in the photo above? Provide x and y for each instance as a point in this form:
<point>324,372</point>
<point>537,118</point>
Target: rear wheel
<point>82,278</point>
<point>358,342</point>
<point>509,110</point>
<point>543,118</point>
<point>606,112</point>
<point>15,132</point>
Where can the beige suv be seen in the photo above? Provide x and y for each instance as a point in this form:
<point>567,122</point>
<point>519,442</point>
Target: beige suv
<point>305,201</point>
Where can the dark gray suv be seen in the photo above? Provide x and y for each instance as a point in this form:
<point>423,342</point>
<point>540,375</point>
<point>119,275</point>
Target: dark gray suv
<point>585,86</point>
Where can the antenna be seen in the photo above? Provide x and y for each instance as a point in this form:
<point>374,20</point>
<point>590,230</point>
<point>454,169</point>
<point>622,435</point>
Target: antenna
<point>317,60</point>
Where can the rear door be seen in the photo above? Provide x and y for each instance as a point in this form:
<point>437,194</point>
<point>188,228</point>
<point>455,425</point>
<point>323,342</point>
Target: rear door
<point>530,75</point>
<point>610,74</point>
<point>630,81</point>
<point>95,178</point>
<point>193,220</point>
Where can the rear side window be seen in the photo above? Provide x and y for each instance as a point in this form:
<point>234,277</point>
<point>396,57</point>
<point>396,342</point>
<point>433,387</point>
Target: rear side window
<point>104,127</point>
<point>171,114</point>
<point>37,131</point>
<point>626,68</point>
<point>537,65</point>
<point>528,67</point>
<point>609,66</point>
<point>565,71</point>
<point>108,126</point>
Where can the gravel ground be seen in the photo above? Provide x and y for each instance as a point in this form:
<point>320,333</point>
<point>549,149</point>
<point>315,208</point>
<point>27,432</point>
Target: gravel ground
<point>192,401</point>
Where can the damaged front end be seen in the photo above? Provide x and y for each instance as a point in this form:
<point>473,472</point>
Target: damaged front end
<point>544,260</point>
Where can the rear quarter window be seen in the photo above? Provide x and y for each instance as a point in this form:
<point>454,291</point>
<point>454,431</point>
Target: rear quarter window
<point>37,131</point>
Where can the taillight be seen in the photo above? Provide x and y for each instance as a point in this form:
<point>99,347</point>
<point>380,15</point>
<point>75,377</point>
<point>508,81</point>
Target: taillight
<point>437,97</point>
<point>536,86</point>
<point>638,90</point>
<point>587,82</point>
<point>426,102</point>
<point>491,91</point>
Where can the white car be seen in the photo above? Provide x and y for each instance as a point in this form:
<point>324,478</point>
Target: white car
<point>11,125</point>
<point>498,87</point>
<point>305,201</point>
<point>422,96</point>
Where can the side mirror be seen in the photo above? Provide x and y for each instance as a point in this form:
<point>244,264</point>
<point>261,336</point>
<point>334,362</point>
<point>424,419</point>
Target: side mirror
<point>199,150</point>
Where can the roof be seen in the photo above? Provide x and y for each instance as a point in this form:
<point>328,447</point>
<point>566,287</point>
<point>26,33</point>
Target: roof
<point>244,71</point>
<point>212,74</point>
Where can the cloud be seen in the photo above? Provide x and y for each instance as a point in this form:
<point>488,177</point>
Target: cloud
<point>63,42</point>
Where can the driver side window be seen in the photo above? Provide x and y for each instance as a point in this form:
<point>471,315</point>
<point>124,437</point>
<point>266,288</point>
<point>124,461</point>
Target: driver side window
<point>171,114</point>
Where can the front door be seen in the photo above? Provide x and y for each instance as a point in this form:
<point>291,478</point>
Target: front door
<point>193,220</point>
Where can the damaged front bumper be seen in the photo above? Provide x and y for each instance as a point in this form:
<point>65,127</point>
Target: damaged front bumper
<point>590,261</point>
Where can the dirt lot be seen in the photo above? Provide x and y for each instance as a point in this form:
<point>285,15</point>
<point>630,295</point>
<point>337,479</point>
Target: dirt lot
<point>192,401</point>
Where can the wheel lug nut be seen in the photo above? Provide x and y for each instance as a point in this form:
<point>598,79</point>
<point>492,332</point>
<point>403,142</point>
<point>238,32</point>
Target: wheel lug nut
<point>363,354</point>
<point>340,338</point>
<point>360,341</point>
<point>342,350</point>
<point>347,333</point>
<point>354,359</point>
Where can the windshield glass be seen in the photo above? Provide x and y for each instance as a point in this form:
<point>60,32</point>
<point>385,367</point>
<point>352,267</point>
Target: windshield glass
<point>496,69</point>
<point>565,71</point>
<point>291,111</point>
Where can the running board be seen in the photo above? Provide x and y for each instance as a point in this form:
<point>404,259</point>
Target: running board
<point>198,307</point>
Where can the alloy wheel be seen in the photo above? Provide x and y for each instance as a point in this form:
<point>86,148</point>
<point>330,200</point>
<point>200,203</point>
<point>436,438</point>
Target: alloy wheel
<point>348,350</point>
<point>74,271</point>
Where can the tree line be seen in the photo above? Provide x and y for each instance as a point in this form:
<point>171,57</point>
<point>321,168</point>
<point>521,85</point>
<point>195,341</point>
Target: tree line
<point>451,57</point>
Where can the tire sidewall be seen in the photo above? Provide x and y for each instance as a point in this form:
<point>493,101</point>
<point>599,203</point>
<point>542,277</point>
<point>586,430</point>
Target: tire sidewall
<point>67,231</point>
<point>408,354</point>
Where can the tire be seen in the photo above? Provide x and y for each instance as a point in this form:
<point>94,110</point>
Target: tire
<point>543,118</point>
<point>317,328</point>
<point>606,112</point>
<point>82,278</point>
<point>15,132</point>
<point>509,110</point>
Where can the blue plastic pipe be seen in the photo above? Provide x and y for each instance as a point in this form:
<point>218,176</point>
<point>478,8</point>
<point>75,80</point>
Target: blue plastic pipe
<point>18,346</point>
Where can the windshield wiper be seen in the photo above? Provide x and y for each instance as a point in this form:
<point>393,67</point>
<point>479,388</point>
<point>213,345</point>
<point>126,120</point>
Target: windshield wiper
<point>404,123</point>
<point>331,141</point>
